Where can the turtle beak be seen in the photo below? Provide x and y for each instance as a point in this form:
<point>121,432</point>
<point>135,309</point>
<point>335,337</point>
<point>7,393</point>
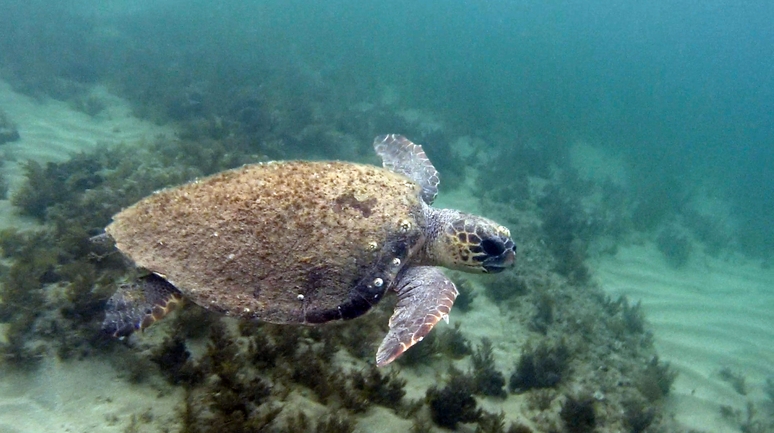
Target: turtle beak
<point>502,261</point>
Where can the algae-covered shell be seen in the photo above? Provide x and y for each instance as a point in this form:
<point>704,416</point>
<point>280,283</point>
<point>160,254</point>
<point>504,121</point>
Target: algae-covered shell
<point>284,242</point>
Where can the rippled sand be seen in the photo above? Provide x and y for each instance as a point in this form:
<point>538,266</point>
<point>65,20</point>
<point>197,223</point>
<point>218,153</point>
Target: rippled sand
<point>710,315</point>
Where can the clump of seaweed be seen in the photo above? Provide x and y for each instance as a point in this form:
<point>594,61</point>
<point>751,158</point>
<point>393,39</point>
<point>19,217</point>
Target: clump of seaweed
<point>175,362</point>
<point>92,105</point>
<point>542,367</point>
<point>452,342</point>
<point>675,246</point>
<point>517,427</point>
<point>638,416</point>
<point>747,422</point>
<point>191,321</point>
<point>486,378</point>
<point>43,188</point>
<point>541,399</point>
<point>234,395</point>
<point>262,351</point>
<point>466,295</point>
<point>382,389</point>
<point>505,287</point>
<point>454,403</point>
<point>578,414</point>
<point>421,425</point>
<point>626,318</point>
<point>491,422</point>
<point>735,378</point>
<point>567,230</point>
<point>544,313</point>
<point>632,315</point>
<point>655,381</point>
<point>335,423</point>
<point>495,423</point>
<point>421,352</point>
<point>8,130</point>
<point>518,162</point>
<point>3,186</point>
<point>22,292</point>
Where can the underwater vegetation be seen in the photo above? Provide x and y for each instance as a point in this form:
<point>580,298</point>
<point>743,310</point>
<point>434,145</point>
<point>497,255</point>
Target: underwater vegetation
<point>454,403</point>
<point>638,416</point>
<point>505,287</point>
<point>8,129</point>
<point>22,295</point>
<point>541,367</point>
<point>656,379</point>
<point>626,319</point>
<point>466,293</point>
<point>543,316</point>
<point>749,420</point>
<point>3,183</point>
<point>658,197</point>
<point>518,162</point>
<point>674,245</point>
<point>567,230</point>
<point>578,414</point>
<point>486,378</point>
<point>736,379</point>
<point>452,342</point>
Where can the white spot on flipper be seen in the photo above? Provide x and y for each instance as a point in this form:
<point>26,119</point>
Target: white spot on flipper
<point>300,297</point>
<point>396,261</point>
<point>378,282</point>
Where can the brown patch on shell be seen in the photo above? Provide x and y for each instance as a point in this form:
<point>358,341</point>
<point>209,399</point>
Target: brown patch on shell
<point>349,200</point>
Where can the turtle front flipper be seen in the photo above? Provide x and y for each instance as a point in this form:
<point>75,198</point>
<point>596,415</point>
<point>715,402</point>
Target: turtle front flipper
<point>425,296</point>
<point>137,305</point>
<point>402,156</point>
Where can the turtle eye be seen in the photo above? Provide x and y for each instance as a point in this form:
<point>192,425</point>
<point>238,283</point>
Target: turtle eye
<point>493,247</point>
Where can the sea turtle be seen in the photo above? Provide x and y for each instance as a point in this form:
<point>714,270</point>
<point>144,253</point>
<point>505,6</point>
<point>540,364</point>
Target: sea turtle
<point>305,242</point>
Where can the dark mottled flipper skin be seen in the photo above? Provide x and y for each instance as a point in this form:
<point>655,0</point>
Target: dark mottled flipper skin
<point>402,156</point>
<point>425,296</point>
<point>137,305</point>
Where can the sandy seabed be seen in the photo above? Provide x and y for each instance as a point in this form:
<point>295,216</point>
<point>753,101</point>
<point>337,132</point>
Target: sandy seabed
<point>709,315</point>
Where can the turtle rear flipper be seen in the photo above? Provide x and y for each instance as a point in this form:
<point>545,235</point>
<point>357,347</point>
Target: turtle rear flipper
<point>425,296</point>
<point>137,305</point>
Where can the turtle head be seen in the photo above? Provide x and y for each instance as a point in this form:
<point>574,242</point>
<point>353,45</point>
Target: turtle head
<point>471,243</point>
